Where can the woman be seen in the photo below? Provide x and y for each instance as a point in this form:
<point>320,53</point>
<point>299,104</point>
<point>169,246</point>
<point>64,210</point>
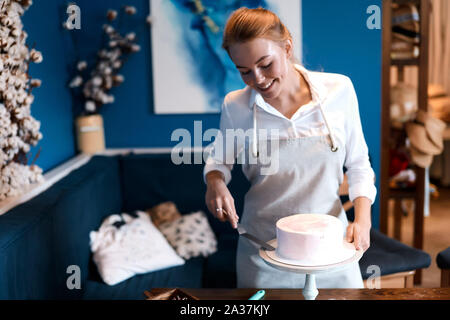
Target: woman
<point>317,118</point>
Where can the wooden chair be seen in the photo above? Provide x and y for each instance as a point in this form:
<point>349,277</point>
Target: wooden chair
<point>443,262</point>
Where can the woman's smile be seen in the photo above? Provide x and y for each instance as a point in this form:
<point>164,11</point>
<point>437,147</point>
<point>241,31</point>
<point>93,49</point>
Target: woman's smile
<point>266,87</point>
<point>262,65</point>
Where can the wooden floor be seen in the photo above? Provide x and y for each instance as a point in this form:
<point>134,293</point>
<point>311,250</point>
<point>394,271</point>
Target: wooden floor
<point>436,234</point>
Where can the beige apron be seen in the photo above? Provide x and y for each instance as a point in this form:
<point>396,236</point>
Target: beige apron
<point>309,172</point>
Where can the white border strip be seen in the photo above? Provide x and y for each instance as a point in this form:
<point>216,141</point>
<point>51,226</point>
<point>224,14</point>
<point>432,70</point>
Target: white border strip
<point>56,174</point>
<point>50,178</point>
<point>113,152</point>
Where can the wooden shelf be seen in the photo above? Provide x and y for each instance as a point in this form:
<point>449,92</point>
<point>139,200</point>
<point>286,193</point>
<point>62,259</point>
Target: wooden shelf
<point>406,62</point>
<point>406,1</point>
<point>416,193</point>
<point>402,193</point>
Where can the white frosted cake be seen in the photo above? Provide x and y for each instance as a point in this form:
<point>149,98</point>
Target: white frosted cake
<point>311,239</point>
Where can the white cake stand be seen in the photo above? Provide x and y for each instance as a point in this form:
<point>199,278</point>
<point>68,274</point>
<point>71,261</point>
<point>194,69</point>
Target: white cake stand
<point>310,291</point>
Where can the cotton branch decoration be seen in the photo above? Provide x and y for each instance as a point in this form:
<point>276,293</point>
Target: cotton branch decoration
<point>105,75</point>
<point>18,129</point>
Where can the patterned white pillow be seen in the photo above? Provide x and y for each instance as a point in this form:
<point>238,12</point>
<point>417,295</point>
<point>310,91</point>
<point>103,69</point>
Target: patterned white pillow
<point>191,235</point>
<point>125,246</point>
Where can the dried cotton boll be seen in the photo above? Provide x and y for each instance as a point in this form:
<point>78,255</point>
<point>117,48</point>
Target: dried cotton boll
<point>35,83</point>
<point>107,71</point>
<point>102,53</point>
<point>82,65</point>
<point>13,142</point>
<point>26,3</point>
<point>17,8</point>
<point>117,64</point>
<point>135,48</point>
<point>18,83</point>
<point>36,56</point>
<point>131,36</point>
<point>130,10</point>
<point>90,106</point>
<point>97,81</point>
<point>109,99</point>
<point>14,128</point>
<point>108,29</point>
<point>8,95</point>
<point>108,82</point>
<point>6,21</point>
<point>118,78</point>
<point>115,54</point>
<point>13,50</point>
<point>19,113</point>
<point>15,33</point>
<point>26,148</point>
<point>102,65</point>
<point>21,98</point>
<point>76,82</point>
<point>86,91</point>
<point>112,14</point>
<point>113,44</point>
<point>29,99</point>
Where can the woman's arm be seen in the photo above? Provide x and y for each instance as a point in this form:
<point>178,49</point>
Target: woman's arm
<point>217,173</point>
<point>358,232</point>
<point>222,154</point>
<point>361,177</point>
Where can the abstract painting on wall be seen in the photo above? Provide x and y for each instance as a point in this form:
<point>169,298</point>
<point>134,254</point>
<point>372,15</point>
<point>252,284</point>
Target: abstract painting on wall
<point>191,71</point>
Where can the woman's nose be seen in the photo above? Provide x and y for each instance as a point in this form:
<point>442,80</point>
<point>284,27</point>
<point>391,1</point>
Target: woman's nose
<point>259,77</point>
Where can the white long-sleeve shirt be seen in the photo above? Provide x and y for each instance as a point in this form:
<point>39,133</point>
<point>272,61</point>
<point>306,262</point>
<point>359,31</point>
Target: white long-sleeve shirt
<point>340,105</point>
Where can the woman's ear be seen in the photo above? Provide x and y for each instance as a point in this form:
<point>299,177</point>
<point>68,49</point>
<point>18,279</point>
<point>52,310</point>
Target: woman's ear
<point>289,48</point>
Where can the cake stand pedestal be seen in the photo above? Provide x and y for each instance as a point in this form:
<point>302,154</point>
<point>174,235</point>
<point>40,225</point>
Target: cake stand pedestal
<point>310,291</point>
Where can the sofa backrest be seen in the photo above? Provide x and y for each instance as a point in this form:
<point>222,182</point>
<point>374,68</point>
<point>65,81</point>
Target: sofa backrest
<point>149,179</point>
<point>42,237</point>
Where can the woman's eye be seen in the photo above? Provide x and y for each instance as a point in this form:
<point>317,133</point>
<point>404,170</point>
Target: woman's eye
<point>265,67</point>
<point>245,73</point>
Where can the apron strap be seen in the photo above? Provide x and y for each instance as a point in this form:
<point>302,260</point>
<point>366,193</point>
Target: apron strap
<point>255,137</point>
<point>334,147</point>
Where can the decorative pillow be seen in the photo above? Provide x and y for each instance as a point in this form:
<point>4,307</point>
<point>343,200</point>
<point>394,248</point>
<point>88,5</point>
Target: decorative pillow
<point>163,212</point>
<point>190,235</point>
<point>129,244</point>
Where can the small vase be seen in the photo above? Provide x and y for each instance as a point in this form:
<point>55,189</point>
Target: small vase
<point>90,134</point>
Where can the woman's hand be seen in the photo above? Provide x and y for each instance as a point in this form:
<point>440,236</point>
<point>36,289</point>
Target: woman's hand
<point>359,234</point>
<point>219,200</point>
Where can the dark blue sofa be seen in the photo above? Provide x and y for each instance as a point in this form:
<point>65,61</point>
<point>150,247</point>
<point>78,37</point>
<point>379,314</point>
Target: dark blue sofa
<point>42,237</point>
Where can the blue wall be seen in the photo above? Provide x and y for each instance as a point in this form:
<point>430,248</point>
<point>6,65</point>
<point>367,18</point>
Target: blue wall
<point>130,121</point>
<point>335,39</point>
<point>52,104</point>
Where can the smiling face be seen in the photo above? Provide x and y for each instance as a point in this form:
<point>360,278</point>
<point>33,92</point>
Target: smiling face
<point>263,65</point>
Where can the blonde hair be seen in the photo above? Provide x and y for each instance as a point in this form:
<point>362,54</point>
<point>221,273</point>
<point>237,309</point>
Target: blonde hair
<point>246,24</point>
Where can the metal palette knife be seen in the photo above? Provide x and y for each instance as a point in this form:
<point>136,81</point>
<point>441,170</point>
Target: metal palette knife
<point>251,237</point>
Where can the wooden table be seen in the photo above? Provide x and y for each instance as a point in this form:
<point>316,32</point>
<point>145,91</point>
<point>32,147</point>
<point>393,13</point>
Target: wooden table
<point>324,294</point>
